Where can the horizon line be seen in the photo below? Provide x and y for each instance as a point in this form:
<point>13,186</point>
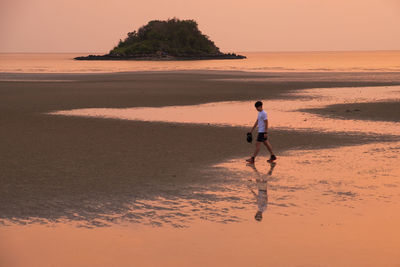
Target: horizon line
<point>253,51</point>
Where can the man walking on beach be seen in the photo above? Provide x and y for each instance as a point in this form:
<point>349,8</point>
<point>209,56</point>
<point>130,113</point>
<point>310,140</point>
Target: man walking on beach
<point>262,137</point>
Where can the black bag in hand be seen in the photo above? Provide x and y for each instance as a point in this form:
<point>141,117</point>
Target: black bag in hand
<point>249,137</point>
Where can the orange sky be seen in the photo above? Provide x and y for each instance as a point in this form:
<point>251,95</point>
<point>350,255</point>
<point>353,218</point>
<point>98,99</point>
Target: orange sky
<point>252,25</point>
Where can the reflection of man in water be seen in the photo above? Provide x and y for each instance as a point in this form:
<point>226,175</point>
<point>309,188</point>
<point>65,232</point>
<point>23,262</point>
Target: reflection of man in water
<point>262,194</point>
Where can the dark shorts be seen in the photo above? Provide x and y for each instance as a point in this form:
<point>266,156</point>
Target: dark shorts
<point>261,138</point>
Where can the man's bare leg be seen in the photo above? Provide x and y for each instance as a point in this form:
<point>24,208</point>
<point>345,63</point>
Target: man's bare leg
<point>251,160</point>
<point>258,145</point>
<point>269,147</point>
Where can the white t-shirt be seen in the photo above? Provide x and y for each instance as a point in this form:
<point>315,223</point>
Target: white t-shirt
<point>262,116</point>
<point>262,200</point>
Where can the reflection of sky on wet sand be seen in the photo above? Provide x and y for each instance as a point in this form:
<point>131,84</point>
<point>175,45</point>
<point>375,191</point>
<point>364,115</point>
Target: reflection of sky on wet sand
<point>302,183</point>
<point>320,202</point>
<point>283,113</point>
<point>304,180</point>
<point>340,176</point>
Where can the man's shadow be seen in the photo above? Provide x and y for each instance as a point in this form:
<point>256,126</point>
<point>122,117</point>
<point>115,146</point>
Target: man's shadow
<point>262,189</point>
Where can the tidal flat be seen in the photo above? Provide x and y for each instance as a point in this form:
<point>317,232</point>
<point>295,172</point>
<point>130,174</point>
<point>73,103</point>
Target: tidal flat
<point>109,188</point>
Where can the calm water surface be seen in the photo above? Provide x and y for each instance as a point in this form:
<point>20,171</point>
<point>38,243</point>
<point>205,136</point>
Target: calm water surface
<point>368,61</point>
<point>284,114</point>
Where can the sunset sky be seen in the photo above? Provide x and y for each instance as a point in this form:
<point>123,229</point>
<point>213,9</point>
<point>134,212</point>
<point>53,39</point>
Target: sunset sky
<point>235,26</point>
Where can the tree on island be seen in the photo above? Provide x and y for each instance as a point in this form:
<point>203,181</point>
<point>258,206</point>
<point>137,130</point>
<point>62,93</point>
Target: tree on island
<point>170,39</point>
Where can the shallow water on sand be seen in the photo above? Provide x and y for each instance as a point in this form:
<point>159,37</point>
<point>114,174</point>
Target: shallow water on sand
<point>283,113</point>
<point>330,207</point>
<point>323,207</point>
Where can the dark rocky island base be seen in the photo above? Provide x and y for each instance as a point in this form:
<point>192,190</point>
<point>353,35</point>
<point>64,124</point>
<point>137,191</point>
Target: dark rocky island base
<point>173,39</point>
<point>156,57</point>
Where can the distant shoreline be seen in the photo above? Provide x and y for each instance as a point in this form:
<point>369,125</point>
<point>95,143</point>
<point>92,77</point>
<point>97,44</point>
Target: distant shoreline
<point>160,58</point>
<point>255,62</point>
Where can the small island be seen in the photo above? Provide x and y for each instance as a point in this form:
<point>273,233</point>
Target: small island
<point>172,39</point>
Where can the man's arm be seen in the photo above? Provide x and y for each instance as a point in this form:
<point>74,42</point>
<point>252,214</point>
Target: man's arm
<point>254,193</point>
<point>254,126</point>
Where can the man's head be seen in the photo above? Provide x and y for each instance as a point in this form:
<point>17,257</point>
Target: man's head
<point>259,105</point>
<point>258,216</point>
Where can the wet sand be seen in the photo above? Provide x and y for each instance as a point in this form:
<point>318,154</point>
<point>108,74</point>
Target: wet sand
<point>52,164</point>
<point>318,211</point>
<point>320,241</point>
<point>92,172</point>
<point>378,111</point>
